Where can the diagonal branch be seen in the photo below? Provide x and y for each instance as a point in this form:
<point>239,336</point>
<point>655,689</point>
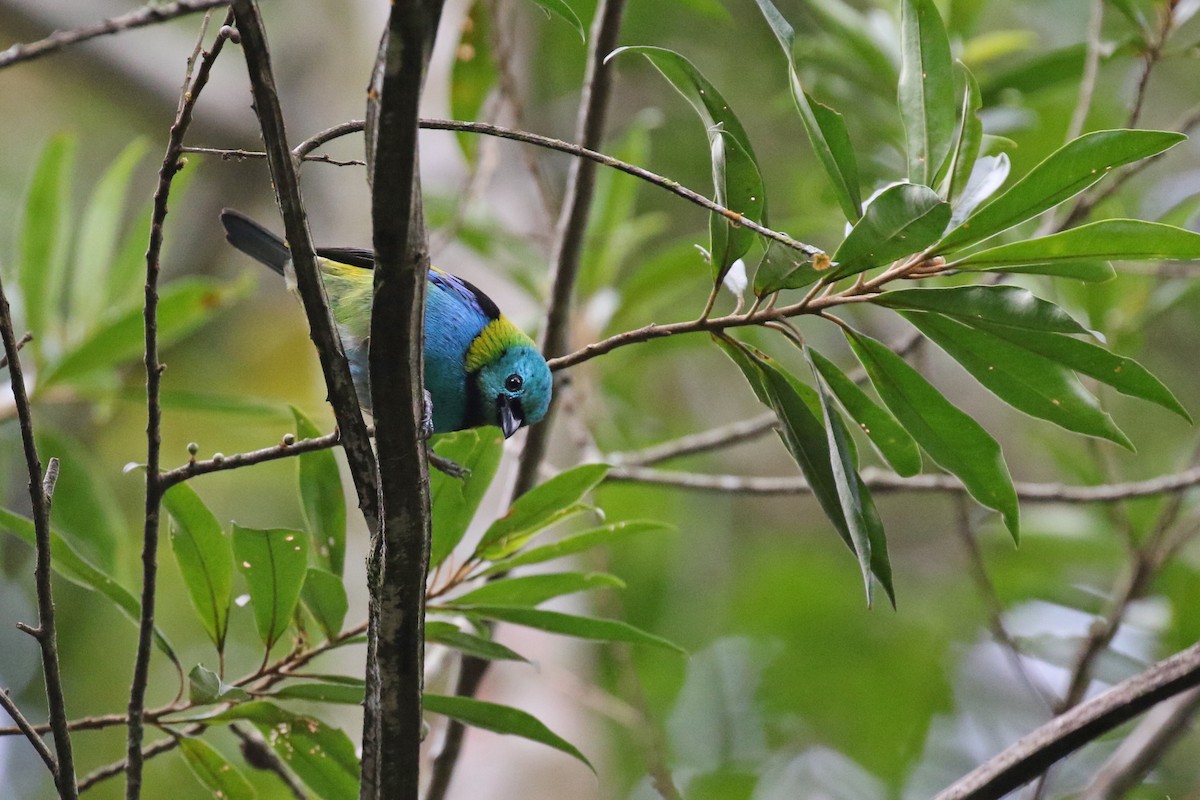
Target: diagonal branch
<point>147,15</point>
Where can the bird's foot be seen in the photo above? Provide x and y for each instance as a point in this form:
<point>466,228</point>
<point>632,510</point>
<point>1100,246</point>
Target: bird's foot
<point>427,419</point>
<point>451,468</point>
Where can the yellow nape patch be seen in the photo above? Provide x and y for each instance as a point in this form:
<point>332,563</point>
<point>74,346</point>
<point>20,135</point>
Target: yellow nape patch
<point>492,341</point>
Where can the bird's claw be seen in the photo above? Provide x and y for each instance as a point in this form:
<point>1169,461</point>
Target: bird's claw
<point>427,418</point>
<point>451,468</point>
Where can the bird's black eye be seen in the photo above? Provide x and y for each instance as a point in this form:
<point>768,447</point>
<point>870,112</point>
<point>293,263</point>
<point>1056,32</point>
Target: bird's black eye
<point>513,382</point>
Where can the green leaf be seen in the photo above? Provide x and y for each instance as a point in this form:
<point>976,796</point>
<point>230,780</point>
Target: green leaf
<point>782,268</point>
<point>97,239</point>
<point>968,139</point>
<point>736,174</point>
<point>215,773</point>
<point>926,92</point>
<point>322,497</point>
<point>1087,271</point>
<point>881,428</point>
<point>951,438</point>
<point>323,757</point>
<point>602,630</point>
<point>275,565</point>
<point>532,590</point>
<point>205,558</point>
<point>1002,305</point>
<point>450,636</point>
<point>538,508</point>
<point>500,719</point>
<point>1027,382</point>
<point>904,219</point>
<point>69,564</point>
<point>184,305</point>
<point>1123,374</point>
<point>1115,239</point>
<point>1065,172</point>
<point>320,692</point>
<point>455,500</point>
<point>578,543</point>
<point>206,687</point>
<point>127,277</point>
<point>560,9</point>
<point>45,238</point>
<point>324,595</point>
<point>473,74</point>
<point>85,506</point>
<point>825,127</point>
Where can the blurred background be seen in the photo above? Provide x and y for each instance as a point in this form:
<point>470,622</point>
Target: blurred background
<point>794,688</point>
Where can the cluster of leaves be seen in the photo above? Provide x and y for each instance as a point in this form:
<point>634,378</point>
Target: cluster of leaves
<point>939,222</point>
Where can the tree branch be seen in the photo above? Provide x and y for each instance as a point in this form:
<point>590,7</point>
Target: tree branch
<point>284,449</point>
<point>166,174</point>
<point>399,558</point>
<point>148,15</point>
<point>340,386</point>
<point>1034,753</point>
<point>28,731</point>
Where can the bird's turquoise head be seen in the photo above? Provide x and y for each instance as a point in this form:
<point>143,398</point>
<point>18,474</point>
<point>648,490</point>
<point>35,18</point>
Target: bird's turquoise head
<point>511,376</point>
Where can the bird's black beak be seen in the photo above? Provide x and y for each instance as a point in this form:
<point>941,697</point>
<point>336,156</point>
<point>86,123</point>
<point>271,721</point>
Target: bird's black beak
<point>510,413</point>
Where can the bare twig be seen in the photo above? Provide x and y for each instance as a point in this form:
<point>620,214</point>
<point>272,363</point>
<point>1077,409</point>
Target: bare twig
<point>399,559</point>
<point>244,155</point>
<point>340,387</point>
<point>25,728</point>
<point>724,436</point>
<point>882,482</point>
<point>1091,69</point>
<point>170,166</point>
<point>41,491</point>
<point>148,15</point>
<point>281,450</point>
<point>24,340</point>
<point>568,245</point>
<point>1034,753</point>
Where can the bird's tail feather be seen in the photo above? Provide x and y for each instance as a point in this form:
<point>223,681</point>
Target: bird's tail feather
<point>254,240</point>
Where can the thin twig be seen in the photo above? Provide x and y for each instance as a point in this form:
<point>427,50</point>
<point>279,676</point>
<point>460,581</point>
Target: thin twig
<point>281,450</point>
<point>724,436</point>
<point>25,728</point>
<point>1091,70</point>
<point>24,340</point>
<point>41,492</point>
<point>166,174</point>
<point>338,383</point>
<point>245,155</point>
<point>569,238</point>
<point>148,15</point>
<point>1035,752</point>
<point>550,143</point>
<point>880,481</point>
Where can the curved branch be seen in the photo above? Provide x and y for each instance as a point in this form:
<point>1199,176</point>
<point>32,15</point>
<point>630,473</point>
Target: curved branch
<point>148,15</point>
<point>1063,735</point>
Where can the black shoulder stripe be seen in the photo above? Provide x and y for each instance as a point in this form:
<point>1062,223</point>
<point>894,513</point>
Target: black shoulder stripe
<point>354,256</point>
<point>486,304</point>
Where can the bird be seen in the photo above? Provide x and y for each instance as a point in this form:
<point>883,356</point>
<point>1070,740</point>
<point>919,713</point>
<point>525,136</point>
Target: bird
<point>480,368</point>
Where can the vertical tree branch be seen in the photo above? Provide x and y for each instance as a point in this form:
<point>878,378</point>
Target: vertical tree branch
<point>568,245</point>
<point>283,166</point>
<point>154,487</point>
<point>400,550</point>
<point>40,495</point>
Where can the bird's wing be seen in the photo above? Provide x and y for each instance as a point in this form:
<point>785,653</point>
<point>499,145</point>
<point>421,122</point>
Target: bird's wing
<point>465,291</point>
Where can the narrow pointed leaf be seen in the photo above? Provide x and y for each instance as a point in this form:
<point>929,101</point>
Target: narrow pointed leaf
<point>1115,239</point>
<point>904,219</point>
<point>275,563</point>
<point>1123,374</point>
<point>500,719</point>
<point>321,756</point>
<point>97,238</point>
<point>205,558</point>
<point>213,771</point>
<point>1002,305</point>
<point>950,437</point>
<point>926,93</point>
<point>320,692</point>
<point>968,139</point>
<point>455,500</point>
<point>783,268</point>
<point>322,498</point>
<point>601,630</point>
<point>473,75</point>
<point>324,595</point>
<point>1027,382</point>
<point>887,435</point>
<point>85,507</point>
<point>825,127</point>
<point>45,238</point>
<point>1066,172</point>
<point>449,635</point>
<point>539,507</point>
<point>1086,271</point>
<point>206,687</point>
<point>72,566</point>
<point>578,543</point>
<point>560,9</point>
<point>532,590</point>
